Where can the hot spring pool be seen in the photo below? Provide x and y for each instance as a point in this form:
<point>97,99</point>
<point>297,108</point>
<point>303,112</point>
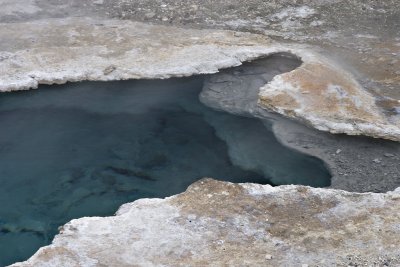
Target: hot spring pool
<point>83,149</point>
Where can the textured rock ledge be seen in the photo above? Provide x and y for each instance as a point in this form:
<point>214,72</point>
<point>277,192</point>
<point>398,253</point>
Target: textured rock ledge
<point>329,99</point>
<point>318,93</point>
<point>222,224</point>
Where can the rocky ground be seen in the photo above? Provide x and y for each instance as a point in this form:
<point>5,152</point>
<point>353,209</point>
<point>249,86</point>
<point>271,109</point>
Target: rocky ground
<point>362,34</point>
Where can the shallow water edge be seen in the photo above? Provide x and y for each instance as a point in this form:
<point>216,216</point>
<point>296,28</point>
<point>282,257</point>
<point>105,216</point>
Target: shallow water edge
<point>83,149</point>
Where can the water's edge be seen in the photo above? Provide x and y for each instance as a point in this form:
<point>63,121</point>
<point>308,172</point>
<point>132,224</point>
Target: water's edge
<point>149,138</point>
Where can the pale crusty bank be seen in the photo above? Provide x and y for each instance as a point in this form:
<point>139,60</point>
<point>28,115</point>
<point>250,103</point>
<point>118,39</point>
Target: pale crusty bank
<point>223,224</point>
<point>321,92</point>
<point>318,92</point>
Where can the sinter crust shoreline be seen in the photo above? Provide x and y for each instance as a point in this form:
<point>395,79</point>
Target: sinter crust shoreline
<point>362,36</point>
<point>223,224</point>
<point>317,93</point>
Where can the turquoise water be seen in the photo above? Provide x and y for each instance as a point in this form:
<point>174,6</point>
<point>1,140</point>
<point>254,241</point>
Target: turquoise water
<point>83,149</point>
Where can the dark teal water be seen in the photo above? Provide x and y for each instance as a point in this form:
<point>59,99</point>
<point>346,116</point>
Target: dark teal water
<point>83,149</point>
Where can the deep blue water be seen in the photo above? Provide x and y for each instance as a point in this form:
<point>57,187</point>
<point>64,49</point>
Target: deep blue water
<point>83,149</point>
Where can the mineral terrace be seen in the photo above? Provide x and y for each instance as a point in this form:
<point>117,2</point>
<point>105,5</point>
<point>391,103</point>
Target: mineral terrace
<point>346,83</point>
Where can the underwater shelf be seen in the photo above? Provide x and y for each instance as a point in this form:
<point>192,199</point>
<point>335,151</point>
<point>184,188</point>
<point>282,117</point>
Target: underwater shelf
<point>83,149</point>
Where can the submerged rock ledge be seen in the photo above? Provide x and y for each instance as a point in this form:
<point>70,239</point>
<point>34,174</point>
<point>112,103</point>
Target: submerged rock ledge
<point>219,223</point>
<point>319,93</point>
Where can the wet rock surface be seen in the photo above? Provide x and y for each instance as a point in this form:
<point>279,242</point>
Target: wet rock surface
<point>358,164</point>
<point>218,223</point>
